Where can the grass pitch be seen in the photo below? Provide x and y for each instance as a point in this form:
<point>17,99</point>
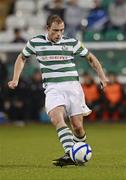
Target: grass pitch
<point>26,153</point>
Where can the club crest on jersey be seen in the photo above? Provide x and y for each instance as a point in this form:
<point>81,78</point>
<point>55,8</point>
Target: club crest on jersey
<point>65,48</point>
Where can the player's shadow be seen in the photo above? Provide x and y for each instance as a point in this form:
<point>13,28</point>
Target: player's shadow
<point>12,166</point>
<point>22,166</point>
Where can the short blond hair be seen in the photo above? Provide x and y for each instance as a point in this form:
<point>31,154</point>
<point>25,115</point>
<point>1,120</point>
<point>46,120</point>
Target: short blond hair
<point>54,18</point>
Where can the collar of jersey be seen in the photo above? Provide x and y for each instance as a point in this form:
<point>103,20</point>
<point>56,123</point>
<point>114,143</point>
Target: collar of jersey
<point>58,42</point>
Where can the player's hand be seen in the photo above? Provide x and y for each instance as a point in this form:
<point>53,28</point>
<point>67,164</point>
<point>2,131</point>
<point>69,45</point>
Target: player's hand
<point>104,83</point>
<point>12,84</point>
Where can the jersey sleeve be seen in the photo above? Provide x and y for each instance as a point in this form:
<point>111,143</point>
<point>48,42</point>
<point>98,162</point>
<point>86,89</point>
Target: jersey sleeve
<point>80,49</point>
<point>29,49</point>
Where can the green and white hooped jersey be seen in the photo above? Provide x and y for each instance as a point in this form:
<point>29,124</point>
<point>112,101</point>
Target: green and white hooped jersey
<point>55,59</point>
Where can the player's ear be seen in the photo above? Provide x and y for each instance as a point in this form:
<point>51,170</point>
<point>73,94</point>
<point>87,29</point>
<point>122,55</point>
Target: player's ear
<point>48,27</point>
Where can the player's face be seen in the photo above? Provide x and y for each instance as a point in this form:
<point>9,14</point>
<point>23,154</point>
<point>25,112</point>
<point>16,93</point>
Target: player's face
<point>55,31</point>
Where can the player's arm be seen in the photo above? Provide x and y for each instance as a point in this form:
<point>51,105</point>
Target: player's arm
<point>80,49</point>
<point>20,62</point>
<point>18,67</point>
<point>95,64</point>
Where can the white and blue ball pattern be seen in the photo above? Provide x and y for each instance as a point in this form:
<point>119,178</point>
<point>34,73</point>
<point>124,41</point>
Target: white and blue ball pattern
<point>80,152</point>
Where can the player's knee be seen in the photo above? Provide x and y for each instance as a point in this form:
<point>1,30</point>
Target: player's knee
<point>56,118</point>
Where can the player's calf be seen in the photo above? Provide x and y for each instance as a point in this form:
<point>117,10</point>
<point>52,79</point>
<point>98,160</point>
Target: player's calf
<point>66,138</point>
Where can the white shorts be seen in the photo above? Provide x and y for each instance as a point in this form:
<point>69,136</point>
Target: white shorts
<point>68,94</point>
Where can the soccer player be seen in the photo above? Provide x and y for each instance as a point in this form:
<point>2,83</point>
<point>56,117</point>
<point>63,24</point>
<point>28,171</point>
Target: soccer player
<point>64,95</point>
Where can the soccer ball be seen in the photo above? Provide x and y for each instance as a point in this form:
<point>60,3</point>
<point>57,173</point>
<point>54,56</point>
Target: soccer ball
<point>80,152</point>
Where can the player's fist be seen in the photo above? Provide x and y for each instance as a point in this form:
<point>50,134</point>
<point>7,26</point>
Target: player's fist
<point>104,83</point>
<point>12,84</point>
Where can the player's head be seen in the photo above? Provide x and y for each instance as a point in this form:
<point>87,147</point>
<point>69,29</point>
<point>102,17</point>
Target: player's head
<point>55,27</point>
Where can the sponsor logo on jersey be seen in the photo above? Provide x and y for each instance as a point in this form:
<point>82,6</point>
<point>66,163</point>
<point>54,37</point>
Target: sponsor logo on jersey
<point>55,58</point>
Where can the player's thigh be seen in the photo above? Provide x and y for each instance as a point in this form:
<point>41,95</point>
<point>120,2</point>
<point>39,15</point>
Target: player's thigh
<point>77,102</point>
<point>53,99</point>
